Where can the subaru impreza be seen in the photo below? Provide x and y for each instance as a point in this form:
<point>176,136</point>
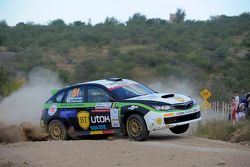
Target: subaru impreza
<point>116,105</point>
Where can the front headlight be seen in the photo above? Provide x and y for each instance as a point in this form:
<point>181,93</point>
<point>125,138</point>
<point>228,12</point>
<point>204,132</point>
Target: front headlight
<point>162,107</point>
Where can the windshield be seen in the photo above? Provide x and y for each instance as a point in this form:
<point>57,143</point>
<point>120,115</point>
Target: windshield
<point>131,90</point>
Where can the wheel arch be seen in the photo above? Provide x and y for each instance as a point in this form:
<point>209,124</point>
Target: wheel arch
<point>64,121</point>
<point>127,114</point>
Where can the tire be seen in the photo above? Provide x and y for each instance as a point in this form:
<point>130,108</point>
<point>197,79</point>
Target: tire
<point>179,129</point>
<point>57,130</point>
<point>124,130</point>
<point>136,128</point>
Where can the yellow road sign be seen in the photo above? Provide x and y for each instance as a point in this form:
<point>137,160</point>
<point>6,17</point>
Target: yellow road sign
<point>205,94</point>
<point>205,105</point>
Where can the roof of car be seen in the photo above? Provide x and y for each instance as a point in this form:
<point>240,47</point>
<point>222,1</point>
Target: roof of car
<point>109,83</point>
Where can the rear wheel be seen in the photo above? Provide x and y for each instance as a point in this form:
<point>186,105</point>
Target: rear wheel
<point>136,128</point>
<point>57,130</point>
<point>179,129</point>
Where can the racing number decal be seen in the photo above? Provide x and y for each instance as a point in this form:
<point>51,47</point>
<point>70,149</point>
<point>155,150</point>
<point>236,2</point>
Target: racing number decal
<point>114,105</point>
<point>83,119</point>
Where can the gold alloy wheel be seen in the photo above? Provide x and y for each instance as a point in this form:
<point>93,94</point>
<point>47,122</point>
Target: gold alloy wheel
<point>56,131</point>
<point>134,127</point>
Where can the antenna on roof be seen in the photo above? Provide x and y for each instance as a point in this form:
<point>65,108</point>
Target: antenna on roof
<point>114,79</point>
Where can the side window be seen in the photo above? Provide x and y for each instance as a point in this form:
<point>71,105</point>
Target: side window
<point>75,95</point>
<point>96,94</point>
<point>59,97</point>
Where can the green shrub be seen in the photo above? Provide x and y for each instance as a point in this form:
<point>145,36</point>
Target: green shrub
<point>12,86</point>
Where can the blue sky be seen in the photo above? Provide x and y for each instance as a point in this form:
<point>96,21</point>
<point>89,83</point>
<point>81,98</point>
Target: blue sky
<point>42,11</point>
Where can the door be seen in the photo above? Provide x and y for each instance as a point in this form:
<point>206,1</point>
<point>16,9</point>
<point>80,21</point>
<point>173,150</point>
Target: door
<point>89,110</point>
<point>73,103</point>
<point>99,107</point>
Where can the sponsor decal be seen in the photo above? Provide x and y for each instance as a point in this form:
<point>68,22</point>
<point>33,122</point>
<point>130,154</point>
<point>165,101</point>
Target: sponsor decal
<point>74,99</point>
<point>68,113</point>
<point>108,131</point>
<point>180,113</point>
<point>96,132</point>
<point>83,133</point>
<point>100,119</point>
<point>195,110</point>
<point>103,105</point>
<point>101,110</point>
<point>83,119</point>
<point>158,120</point>
<point>114,114</point>
<point>52,110</point>
<point>179,99</point>
<point>101,132</point>
<point>115,85</point>
<point>98,127</point>
<point>132,107</point>
<point>118,86</point>
<point>115,123</point>
<point>186,112</point>
<point>169,114</point>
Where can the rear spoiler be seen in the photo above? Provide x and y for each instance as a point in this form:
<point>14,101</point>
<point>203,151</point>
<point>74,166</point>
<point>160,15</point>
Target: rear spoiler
<point>53,91</point>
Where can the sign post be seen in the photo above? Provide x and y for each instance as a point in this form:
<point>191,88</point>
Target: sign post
<point>205,94</point>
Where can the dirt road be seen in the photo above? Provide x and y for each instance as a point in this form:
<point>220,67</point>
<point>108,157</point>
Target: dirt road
<point>160,150</point>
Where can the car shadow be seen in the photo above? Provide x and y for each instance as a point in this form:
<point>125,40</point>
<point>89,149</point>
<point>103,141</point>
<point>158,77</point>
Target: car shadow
<point>164,137</point>
<point>152,137</point>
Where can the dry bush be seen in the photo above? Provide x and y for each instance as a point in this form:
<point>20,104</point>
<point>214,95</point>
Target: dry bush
<point>225,130</point>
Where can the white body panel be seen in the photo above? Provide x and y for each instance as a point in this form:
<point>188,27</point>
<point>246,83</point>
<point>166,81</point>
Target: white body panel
<point>176,99</point>
<point>155,120</point>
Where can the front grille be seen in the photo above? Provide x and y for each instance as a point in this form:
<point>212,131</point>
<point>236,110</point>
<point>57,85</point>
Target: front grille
<point>182,118</point>
<point>184,106</point>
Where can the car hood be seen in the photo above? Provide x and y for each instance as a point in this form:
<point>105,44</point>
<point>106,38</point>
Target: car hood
<point>169,98</point>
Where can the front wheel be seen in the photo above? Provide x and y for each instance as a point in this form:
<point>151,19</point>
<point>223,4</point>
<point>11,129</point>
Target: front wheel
<point>179,129</point>
<point>136,128</point>
<point>57,130</point>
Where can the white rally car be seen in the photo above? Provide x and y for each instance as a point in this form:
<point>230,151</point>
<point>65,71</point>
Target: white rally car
<point>116,105</point>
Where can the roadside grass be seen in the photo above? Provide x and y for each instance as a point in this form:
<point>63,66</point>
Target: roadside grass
<point>225,130</point>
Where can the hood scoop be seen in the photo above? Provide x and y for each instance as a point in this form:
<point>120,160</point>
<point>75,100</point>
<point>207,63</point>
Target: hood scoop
<point>167,96</point>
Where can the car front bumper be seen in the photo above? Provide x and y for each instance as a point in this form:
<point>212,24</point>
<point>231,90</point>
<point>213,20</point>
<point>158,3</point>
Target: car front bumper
<point>161,120</point>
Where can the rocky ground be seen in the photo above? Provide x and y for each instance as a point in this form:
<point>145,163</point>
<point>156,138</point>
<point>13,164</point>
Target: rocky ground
<point>161,149</point>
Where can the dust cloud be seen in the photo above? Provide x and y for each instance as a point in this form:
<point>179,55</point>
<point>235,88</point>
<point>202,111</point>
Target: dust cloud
<point>180,86</point>
<point>20,112</point>
<point>23,132</point>
<point>187,87</point>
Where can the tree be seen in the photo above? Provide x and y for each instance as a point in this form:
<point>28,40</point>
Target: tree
<point>111,21</point>
<point>4,79</point>
<point>57,22</point>
<point>179,15</point>
<point>137,18</point>
<point>78,23</point>
<point>3,23</point>
<point>156,21</point>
